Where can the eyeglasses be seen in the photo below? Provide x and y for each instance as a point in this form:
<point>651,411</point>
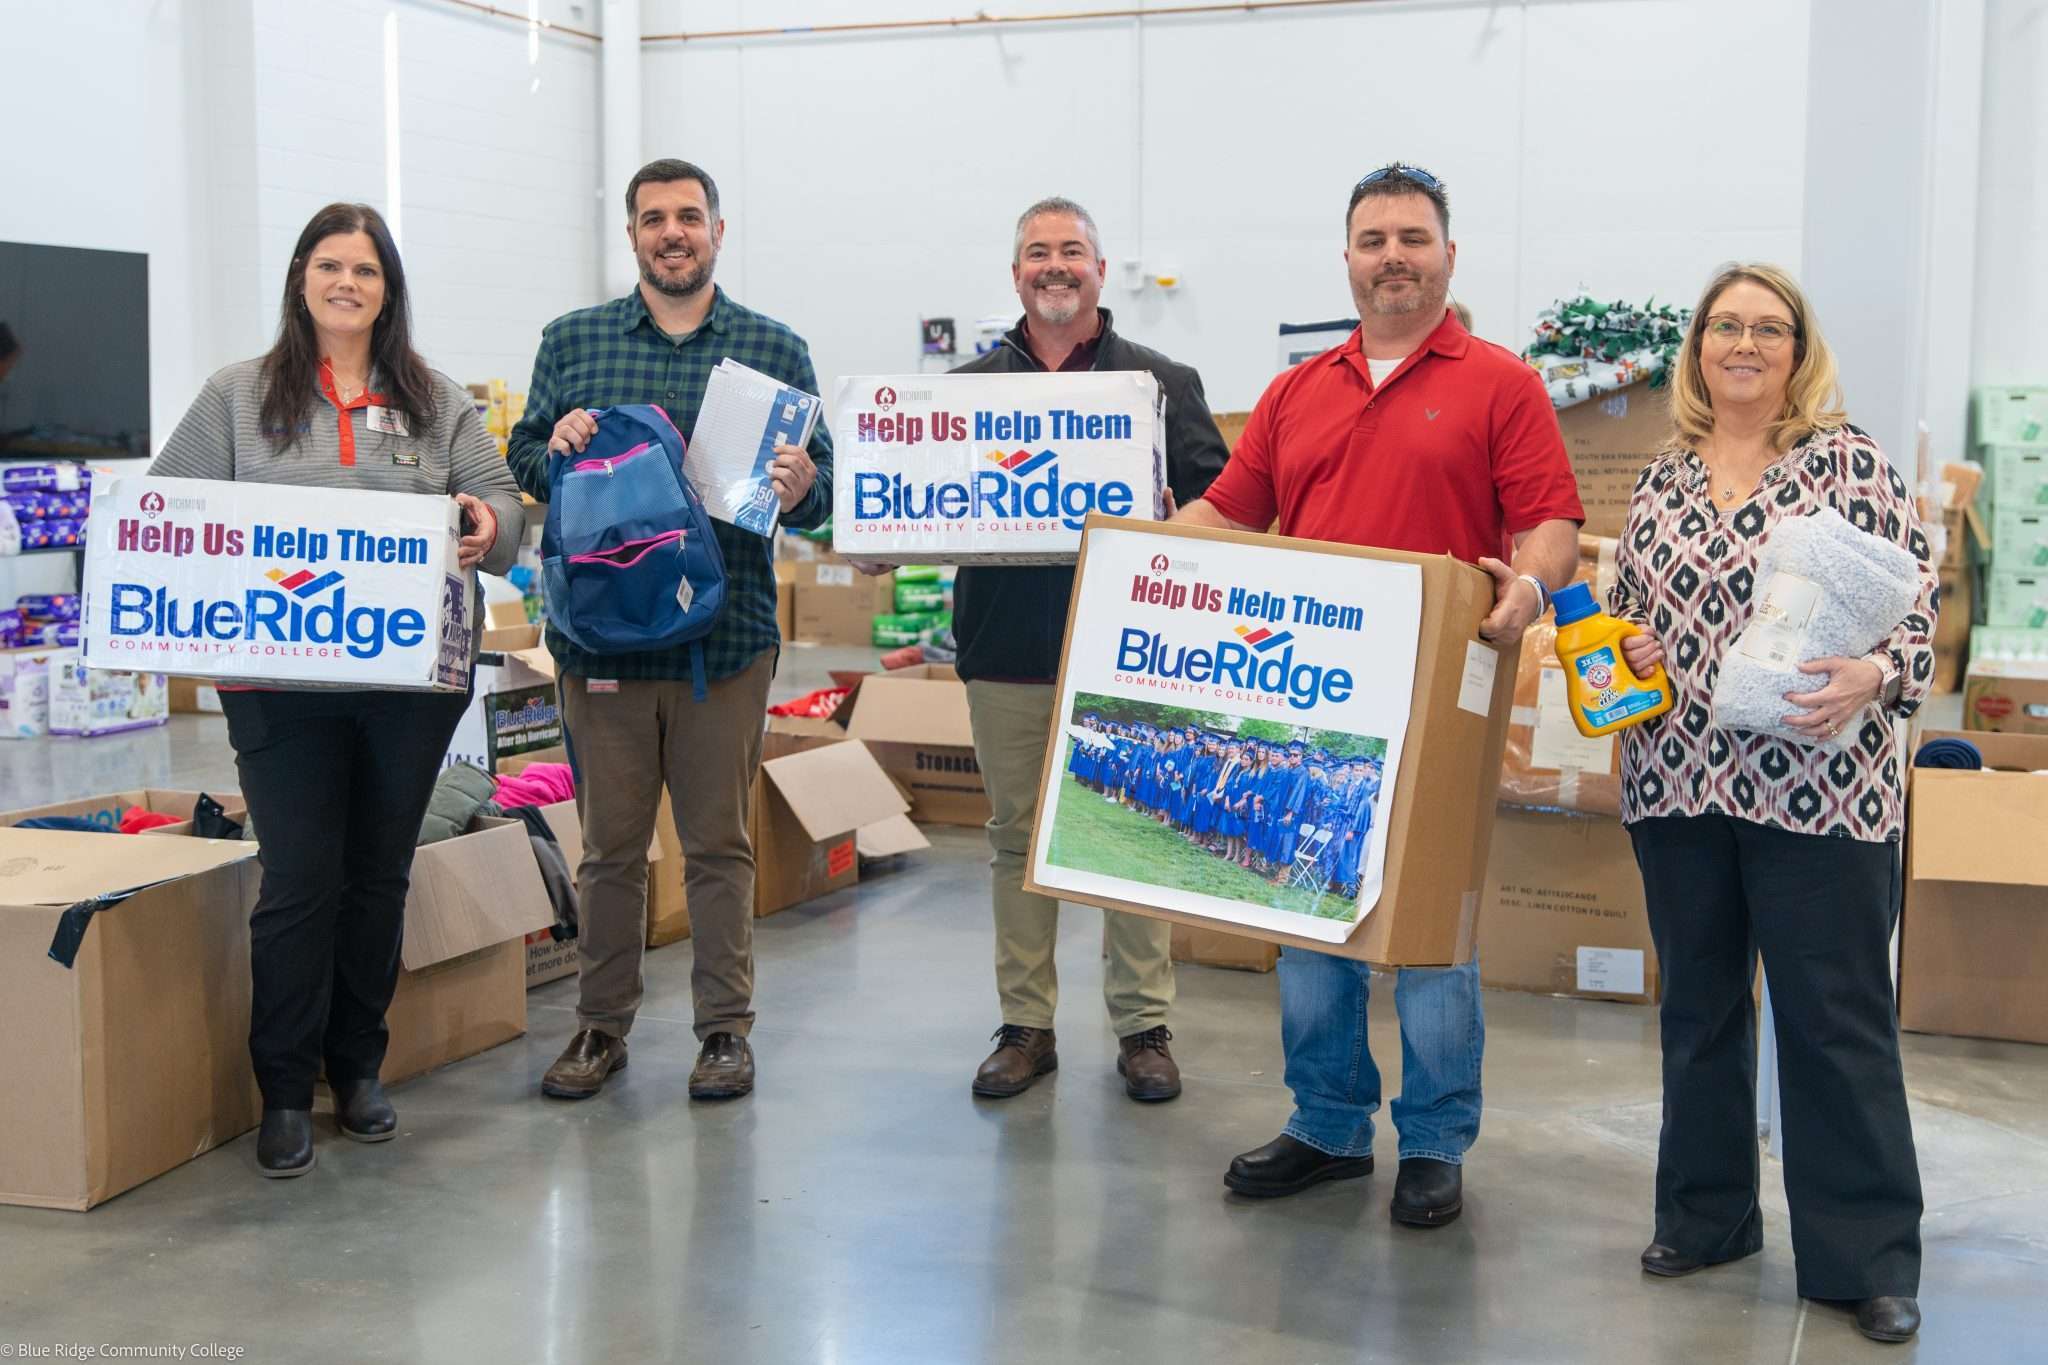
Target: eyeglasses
<point>1769,335</point>
<point>1414,173</point>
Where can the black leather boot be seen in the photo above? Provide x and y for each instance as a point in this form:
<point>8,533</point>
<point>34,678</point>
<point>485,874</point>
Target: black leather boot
<point>284,1145</point>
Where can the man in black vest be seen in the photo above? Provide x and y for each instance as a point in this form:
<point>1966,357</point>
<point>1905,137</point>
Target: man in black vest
<point>1010,622</point>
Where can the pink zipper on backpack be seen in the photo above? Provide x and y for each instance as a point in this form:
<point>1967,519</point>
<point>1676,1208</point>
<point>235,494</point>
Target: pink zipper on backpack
<point>607,465</point>
<point>627,555</point>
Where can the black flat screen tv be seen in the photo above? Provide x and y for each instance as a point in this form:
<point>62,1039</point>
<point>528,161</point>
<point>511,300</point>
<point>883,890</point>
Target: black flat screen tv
<point>74,353</point>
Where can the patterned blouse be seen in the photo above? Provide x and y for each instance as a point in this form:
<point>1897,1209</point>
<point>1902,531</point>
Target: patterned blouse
<point>1685,571</point>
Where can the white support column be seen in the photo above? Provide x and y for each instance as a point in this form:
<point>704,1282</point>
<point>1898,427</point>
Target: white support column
<point>1870,133</point>
<point>622,157</point>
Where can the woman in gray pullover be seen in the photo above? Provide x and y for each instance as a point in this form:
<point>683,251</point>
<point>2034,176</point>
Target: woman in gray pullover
<point>337,780</point>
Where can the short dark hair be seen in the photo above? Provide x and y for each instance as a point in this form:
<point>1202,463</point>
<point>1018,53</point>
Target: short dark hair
<point>1398,177</point>
<point>665,171</point>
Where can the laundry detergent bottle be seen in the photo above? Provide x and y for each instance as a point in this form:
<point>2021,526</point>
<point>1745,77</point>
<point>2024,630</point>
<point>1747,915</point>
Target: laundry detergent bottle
<point>1605,696</point>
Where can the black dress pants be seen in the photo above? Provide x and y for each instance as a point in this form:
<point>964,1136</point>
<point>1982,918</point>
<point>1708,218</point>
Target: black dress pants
<point>337,783</point>
<point>1821,910</point>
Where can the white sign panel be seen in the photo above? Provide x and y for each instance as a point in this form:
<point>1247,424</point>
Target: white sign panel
<point>991,468</point>
<point>1231,717</point>
<point>262,583</point>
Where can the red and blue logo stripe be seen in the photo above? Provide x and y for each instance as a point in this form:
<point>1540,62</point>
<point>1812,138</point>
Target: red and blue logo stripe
<point>1262,639</point>
<point>303,583</point>
<point>1022,462</point>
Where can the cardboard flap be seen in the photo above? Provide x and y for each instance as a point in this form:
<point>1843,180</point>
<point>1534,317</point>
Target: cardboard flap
<point>473,892</point>
<point>891,835</point>
<point>59,867</point>
<point>1979,827</point>
<point>834,788</point>
<point>889,709</point>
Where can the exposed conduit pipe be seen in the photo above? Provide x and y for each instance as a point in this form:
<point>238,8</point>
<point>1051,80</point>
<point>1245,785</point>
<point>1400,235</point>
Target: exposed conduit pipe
<point>983,19</point>
<point>520,19</point>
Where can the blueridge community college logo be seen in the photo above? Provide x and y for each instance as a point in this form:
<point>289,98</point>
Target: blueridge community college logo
<point>885,398</point>
<point>1022,462</point>
<point>304,582</point>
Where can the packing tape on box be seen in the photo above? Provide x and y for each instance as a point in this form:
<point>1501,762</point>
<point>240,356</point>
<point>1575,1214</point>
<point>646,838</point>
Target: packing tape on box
<point>71,925</point>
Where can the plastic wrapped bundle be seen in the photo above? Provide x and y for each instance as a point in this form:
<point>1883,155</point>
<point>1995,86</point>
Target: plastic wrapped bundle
<point>1823,588</point>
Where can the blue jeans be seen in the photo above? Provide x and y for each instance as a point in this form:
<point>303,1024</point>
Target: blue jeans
<point>1329,1061</point>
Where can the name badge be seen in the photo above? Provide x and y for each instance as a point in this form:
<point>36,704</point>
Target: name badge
<point>389,420</point>
<point>409,458</point>
<point>598,685</point>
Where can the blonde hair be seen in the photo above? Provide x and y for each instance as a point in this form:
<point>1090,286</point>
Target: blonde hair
<point>1813,396</point>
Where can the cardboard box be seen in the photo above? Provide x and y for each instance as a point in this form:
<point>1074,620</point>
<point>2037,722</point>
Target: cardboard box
<point>2010,599</point>
<point>1548,763</point>
<point>547,958</point>
<point>25,692</point>
<point>103,701</point>
<point>1564,912</point>
<point>1232,425</point>
<point>991,468</point>
<point>134,1059</point>
<point>260,583</point>
<point>1324,665</point>
<point>1952,627</point>
<point>835,604</point>
<point>106,812</point>
<point>191,696</point>
<point>668,902</point>
<point>515,709</point>
<point>2010,414</point>
<point>1214,948</point>
<point>915,722</point>
<point>2019,541</point>
<point>2017,476</point>
<point>1610,438</point>
<point>2006,698</point>
<point>1973,955</point>
<point>462,987</point>
<point>806,809</point>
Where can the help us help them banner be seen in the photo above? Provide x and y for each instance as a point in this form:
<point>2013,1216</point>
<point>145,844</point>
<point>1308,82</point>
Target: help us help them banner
<point>1230,729</point>
<point>991,468</point>
<point>262,583</point>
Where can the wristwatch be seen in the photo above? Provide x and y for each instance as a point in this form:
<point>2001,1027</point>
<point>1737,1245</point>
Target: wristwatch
<point>1888,683</point>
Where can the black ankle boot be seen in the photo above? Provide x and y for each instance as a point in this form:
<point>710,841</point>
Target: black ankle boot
<point>362,1111</point>
<point>284,1145</point>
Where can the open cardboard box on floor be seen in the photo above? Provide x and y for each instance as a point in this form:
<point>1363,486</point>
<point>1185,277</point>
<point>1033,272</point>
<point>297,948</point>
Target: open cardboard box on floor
<point>915,722</point>
<point>106,811</point>
<point>1564,912</point>
<point>1973,956</point>
<point>668,904</point>
<point>134,1059</point>
<point>815,813</point>
<point>1440,818</point>
<point>462,983</point>
<point>548,958</point>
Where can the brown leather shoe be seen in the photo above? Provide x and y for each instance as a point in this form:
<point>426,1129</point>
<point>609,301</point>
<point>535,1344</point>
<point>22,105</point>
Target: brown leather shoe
<point>1149,1071</point>
<point>580,1071</point>
<point>724,1070</point>
<point>1022,1055</point>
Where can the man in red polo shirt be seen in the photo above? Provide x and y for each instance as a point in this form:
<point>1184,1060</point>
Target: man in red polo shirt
<point>1412,435</point>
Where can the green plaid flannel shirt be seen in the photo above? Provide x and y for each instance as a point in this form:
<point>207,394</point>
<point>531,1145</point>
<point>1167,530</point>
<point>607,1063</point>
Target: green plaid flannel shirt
<point>613,353</point>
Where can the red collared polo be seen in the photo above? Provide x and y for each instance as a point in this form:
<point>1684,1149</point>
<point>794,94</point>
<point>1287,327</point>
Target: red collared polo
<point>1456,452</point>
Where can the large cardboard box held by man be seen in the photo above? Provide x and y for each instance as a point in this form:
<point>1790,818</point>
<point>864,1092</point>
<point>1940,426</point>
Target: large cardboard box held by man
<point>1263,636</point>
<point>1564,912</point>
<point>134,1058</point>
<point>1610,438</point>
<point>1973,942</point>
<point>259,583</point>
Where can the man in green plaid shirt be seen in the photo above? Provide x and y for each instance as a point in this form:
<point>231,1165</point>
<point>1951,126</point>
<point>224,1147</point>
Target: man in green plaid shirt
<point>631,721</point>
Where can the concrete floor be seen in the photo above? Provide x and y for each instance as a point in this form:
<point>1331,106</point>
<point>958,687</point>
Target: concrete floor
<point>862,1206</point>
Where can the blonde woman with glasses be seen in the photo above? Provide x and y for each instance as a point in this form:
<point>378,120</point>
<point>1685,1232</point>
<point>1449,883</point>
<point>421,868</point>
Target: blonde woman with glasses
<point>1749,842</point>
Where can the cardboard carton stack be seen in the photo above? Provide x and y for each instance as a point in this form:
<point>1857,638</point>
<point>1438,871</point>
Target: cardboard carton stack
<point>2007,686</point>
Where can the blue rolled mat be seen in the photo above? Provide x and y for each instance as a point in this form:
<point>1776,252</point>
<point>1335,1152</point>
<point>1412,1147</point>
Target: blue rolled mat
<point>1949,753</point>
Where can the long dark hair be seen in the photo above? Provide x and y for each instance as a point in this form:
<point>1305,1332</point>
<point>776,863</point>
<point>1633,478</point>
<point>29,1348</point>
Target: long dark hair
<point>292,369</point>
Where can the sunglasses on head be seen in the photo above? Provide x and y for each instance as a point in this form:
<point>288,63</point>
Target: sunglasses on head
<point>1414,173</point>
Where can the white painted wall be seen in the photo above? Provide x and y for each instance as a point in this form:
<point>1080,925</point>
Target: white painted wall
<point>870,180</point>
<point>2011,324</point>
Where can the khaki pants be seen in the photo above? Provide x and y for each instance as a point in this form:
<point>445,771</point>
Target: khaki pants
<point>626,744</point>
<point>1010,724</point>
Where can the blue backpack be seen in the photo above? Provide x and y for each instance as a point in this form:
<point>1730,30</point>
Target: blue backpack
<point>627,554</point>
